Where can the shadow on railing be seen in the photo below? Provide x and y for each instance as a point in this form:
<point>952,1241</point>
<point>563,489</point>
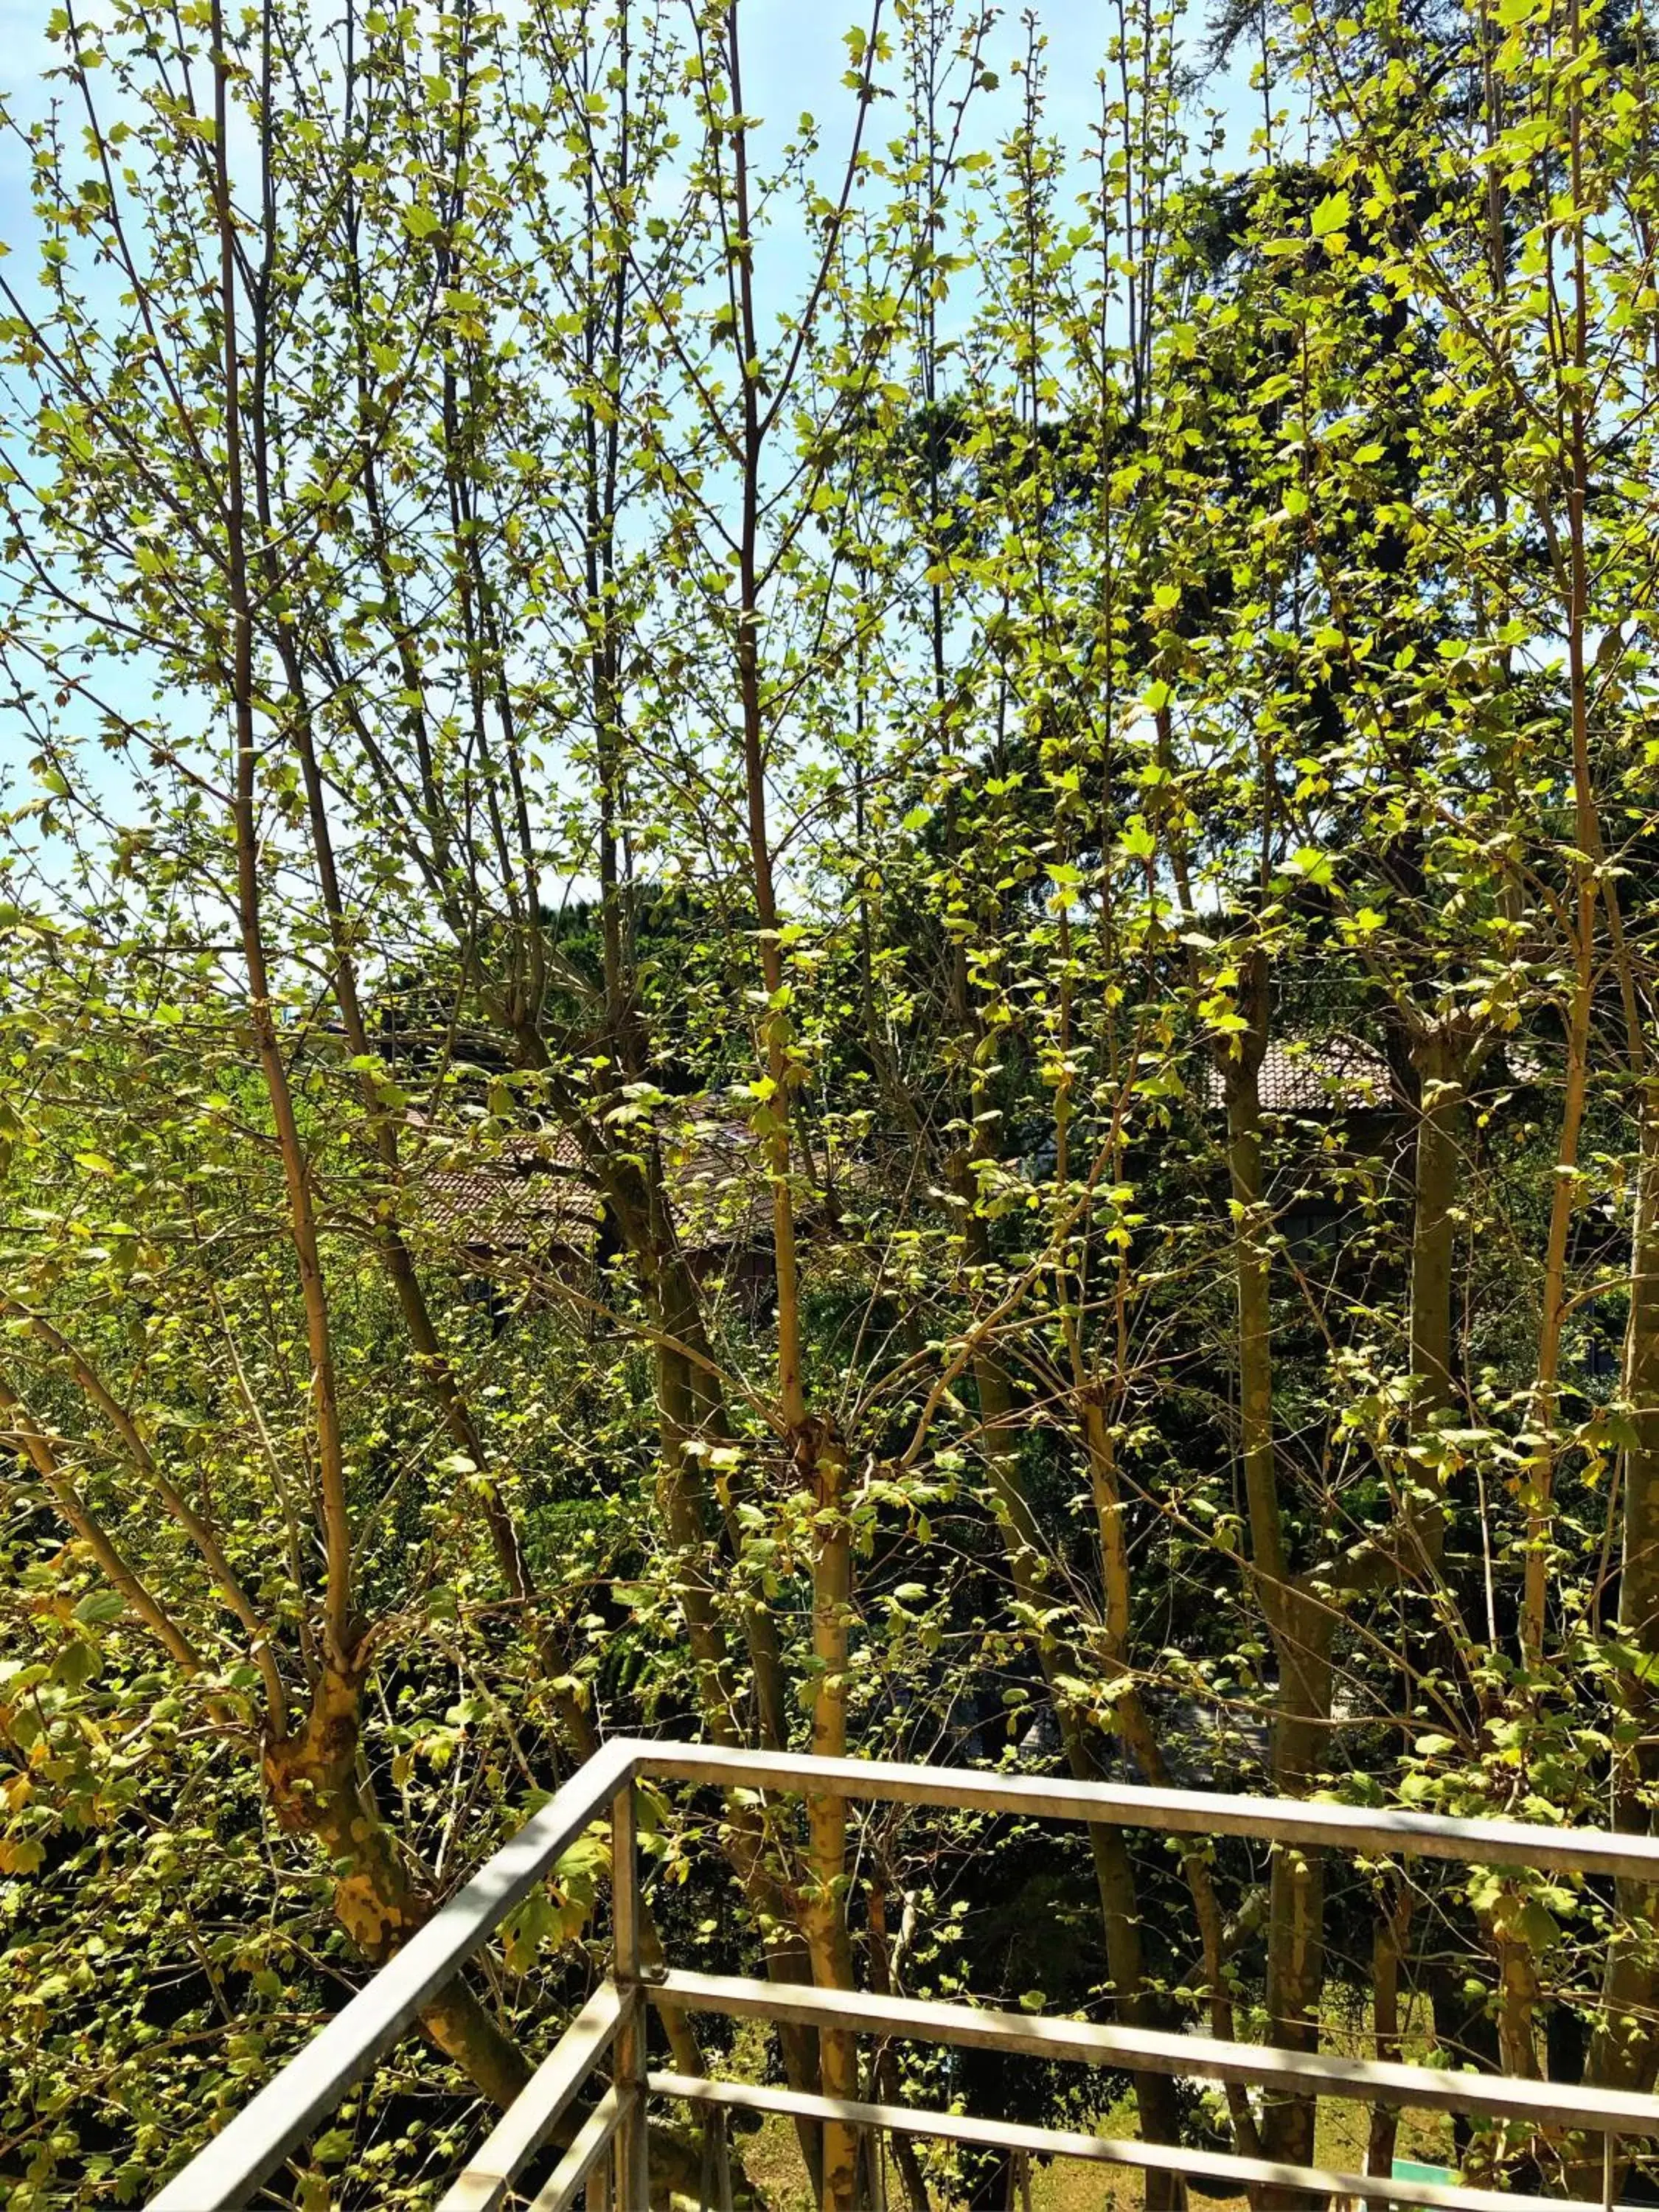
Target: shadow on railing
<point>606,2158</point>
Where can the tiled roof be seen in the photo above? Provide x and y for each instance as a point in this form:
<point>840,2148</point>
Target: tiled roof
<point>528,1190</point>
<point>715,1186</point>
<point>533,1188</point>
<point>1335,1073</point>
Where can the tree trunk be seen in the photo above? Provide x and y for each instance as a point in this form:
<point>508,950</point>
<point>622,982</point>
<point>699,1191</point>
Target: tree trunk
<point>1156,2099</point>
<point>691,1411</point>
<point>1624,2050</point>
<point>318,1788</point>
<point>1439,1130</point>
<point>1298,1624</point>
<point>824,1910</point>
<point>1389,1934</point>
<point>1135,1730</point>
<point>1295,1898</point>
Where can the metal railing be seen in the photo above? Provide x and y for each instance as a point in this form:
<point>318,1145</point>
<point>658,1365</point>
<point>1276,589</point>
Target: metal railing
<point>231,2169</point>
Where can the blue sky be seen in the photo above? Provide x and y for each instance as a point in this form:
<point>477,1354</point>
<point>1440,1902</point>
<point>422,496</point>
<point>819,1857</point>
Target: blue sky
<point>794,60</point>
<point>796,57</point>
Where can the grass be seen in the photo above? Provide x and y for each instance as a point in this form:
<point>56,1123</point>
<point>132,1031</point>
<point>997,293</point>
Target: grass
<point>1339,2143</point>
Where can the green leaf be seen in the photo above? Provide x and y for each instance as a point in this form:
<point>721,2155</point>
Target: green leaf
<point>99,1607</point>
<point>1309,862</point>
<point>1331,214</point>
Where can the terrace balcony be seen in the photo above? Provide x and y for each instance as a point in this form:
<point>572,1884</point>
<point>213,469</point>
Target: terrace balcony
<point>600,2066</point>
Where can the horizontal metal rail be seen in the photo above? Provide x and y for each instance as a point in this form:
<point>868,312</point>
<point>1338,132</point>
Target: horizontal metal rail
<point>1133,2050</point>
<point>231,2168</point>
<point>1373,1833</point>
<point>1220,2167</point>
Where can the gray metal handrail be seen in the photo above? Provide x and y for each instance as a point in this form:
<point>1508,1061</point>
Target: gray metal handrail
<point>231,2168</point>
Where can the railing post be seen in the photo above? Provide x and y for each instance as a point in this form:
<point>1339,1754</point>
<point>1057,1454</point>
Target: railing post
<point>632,2148</point>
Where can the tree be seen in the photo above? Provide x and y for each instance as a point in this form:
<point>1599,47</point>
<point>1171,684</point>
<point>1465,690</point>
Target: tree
<point>1003,787</point>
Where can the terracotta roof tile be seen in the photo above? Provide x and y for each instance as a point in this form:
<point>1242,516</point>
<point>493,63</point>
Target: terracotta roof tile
<point>1335,1073</point>
<point>524,1192</point>
<point>531,1188</point>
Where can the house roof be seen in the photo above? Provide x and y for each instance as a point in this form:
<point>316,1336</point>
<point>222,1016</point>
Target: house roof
<point>717,1187</point>
<point>1332,1073</point>
<point>528,1190</point>
<point>534,1187</point>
